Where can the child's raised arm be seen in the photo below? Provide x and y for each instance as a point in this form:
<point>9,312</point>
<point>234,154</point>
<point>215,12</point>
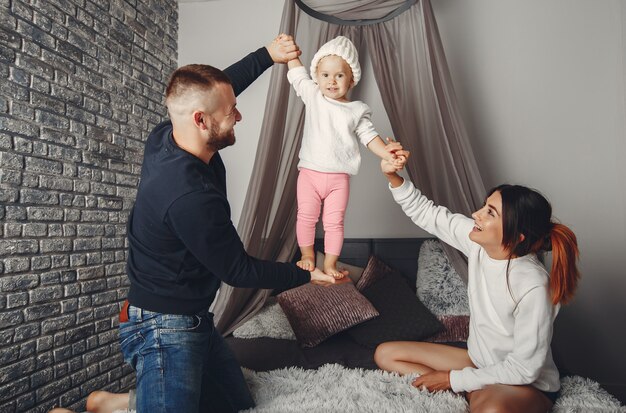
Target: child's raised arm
<point>294,63</point>
<point>387,152</point>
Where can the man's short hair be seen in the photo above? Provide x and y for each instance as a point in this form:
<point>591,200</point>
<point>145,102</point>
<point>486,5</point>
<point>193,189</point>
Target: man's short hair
<point>194,77</point>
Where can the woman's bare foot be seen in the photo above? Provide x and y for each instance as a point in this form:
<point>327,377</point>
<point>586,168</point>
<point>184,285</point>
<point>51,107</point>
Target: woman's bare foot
<point>104,402</point>
<point>307,262</point>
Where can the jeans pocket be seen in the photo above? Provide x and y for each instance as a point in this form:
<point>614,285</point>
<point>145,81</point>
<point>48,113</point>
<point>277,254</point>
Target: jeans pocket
<point>193,331</point>
<point>181,323</point>
<point>131,345</point>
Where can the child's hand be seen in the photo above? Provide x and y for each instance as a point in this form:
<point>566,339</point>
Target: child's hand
<point>392,147</point>
<point>396,155</point>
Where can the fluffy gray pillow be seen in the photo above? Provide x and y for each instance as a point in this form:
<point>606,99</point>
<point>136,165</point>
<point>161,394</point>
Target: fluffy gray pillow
<point>443,292</point>
<point>438,284</point>
<point>317,313</point>
<point>270,322</point>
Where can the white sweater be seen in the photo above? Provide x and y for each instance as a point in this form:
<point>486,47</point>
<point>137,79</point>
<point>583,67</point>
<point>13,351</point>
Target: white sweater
<point>510,330</point>
<point>331,128</point>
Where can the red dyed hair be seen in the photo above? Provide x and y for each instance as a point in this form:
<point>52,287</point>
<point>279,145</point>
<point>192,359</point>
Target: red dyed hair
<point>527,227</point>
<point>564,275</point>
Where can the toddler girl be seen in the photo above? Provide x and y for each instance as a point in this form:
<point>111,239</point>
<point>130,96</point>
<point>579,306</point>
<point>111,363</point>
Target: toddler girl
<point>329,154</point>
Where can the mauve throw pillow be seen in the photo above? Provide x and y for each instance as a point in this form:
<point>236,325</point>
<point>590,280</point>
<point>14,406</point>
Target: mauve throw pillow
<point>403,317</point>
<point>455,329</point>
<point>374,271</point>
<point>316,312</point>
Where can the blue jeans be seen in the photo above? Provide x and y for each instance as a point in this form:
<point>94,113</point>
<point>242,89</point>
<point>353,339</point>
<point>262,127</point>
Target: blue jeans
<point>182,364</point>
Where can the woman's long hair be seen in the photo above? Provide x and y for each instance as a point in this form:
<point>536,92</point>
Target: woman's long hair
<point>527,227</point>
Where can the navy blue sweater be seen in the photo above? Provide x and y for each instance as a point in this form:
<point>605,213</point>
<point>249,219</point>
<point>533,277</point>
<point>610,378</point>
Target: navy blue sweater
<point>182,242</point>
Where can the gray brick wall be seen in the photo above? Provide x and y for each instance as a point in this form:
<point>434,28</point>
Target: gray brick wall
<point>81,87</point>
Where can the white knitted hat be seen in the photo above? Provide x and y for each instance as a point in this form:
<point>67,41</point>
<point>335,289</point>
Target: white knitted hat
<point>342,47</point>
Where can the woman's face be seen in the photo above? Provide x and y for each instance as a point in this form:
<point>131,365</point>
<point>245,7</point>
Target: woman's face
<point>487,231</point>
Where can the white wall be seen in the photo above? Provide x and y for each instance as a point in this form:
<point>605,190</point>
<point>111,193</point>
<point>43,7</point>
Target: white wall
<point>219,33</point>
<point>542,88</point>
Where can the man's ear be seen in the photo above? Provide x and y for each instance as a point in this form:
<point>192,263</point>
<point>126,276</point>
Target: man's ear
<point>198,119</point>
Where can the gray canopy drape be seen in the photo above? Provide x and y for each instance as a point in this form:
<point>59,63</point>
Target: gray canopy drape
<point>411,72</point>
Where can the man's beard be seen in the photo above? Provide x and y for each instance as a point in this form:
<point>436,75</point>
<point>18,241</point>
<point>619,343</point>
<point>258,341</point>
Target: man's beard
<point>219,140</point>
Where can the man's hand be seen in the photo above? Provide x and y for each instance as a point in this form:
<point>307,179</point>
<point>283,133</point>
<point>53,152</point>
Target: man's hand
<point>433,381</point>
<point>283,49</point>
<point>319,277</point>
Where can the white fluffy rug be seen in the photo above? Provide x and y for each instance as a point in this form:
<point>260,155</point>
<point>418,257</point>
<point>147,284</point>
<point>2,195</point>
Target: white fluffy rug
<point>333,388</point>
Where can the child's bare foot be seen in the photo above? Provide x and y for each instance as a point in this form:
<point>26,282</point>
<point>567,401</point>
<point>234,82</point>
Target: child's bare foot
<point>330,267</point>
<point>334,272</point>
<point>101,401</point>
<point>307,263</point>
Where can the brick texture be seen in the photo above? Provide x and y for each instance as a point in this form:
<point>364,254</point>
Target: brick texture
<point>82,86</point>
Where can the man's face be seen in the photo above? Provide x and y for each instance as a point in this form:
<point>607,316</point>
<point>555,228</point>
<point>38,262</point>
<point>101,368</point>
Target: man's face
<point>221,122</point>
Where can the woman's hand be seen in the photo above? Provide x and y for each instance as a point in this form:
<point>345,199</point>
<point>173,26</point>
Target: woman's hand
<point>391,173</point>
<point>388,167</point>
<point>434,381</point>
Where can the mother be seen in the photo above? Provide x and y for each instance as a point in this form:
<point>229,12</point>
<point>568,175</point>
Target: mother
<point>508,365</point>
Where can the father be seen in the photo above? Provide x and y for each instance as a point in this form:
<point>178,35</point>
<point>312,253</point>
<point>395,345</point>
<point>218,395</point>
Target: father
<point>182,244</point>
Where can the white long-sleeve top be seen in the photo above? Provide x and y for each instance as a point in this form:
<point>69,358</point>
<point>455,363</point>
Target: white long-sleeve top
<point>332,129</point>
<point>510,328</point>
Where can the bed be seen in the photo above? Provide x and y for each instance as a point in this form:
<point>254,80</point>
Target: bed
<point>261,353</point>
<point>339,374</point>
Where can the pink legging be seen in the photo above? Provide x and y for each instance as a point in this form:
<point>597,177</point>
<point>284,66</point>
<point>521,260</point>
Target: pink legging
<point>313,188</point>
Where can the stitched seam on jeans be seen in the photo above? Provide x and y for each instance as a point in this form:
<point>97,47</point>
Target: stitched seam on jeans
<point>182,330</point>
<point>161,364</point>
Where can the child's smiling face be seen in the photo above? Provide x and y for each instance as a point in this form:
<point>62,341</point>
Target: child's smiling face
<point>334,77</point>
